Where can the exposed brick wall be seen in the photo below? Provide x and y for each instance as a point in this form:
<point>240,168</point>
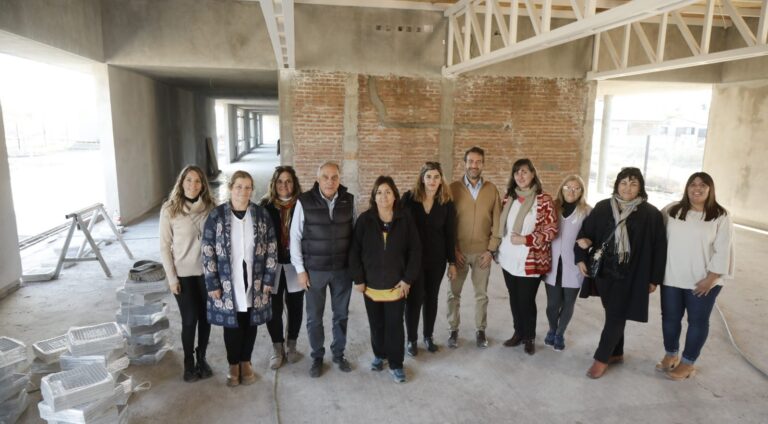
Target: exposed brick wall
<point>318,122</point>
<point>401,134</point>
<point>512,118</point>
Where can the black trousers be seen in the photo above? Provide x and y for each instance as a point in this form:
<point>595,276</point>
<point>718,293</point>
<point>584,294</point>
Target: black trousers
<point>294,306</point>
<point>387,334</point>
<point>192,306</point>
<point>612,337</point>
<point>239,341</point>
<point>422,299</point>
<point>522,302</point>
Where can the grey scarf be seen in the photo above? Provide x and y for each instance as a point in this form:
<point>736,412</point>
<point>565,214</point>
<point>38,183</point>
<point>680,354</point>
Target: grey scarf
<point>529,197</point>
<point>621,236</point>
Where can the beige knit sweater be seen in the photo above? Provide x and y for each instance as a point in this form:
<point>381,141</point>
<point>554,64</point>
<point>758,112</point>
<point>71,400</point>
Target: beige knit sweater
<point>180,241</point>
<point>476,219</point>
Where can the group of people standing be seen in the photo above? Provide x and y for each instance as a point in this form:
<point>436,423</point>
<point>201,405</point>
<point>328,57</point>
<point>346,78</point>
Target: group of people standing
<point>243,264</point>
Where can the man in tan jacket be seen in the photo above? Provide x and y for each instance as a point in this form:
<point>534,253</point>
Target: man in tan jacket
<point>477,215</point>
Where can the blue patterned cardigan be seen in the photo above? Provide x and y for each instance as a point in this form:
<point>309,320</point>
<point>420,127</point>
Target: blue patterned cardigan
<point>217,267</point>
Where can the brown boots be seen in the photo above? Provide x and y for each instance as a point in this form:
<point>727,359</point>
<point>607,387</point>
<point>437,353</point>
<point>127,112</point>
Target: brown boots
<point>247,376</point>
<point>241,373</point>
<point>233,379</point>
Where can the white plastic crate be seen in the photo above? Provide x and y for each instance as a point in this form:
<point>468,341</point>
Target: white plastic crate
<point>123,389</point>
<point>85,413</point>
<point>141,315</point>
<point>12,385</point>
<point>95,339</point>
<point>132,331</point>
<point>139,299</point>
<point>49,350</point>
<point>150,339</point>
<point>146,287</point>
<point>11,351</point>
<point>78,386</point>
<point>151,358</point>
<point>11,409</point>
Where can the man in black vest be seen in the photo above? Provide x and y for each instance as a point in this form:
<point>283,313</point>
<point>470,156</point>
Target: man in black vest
<point>321,234</point>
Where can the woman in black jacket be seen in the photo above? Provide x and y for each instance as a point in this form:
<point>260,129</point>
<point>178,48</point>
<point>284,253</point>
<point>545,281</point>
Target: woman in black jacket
<point>434,214</point>
<point>280,202</point>
<point>384,261</point>
<point>633,261</point>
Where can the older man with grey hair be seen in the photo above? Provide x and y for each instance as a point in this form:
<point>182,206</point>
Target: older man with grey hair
<point>321,235</point>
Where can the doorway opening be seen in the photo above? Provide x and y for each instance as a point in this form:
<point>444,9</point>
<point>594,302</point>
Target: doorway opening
<point>660,129</point>
<point>51,133</point>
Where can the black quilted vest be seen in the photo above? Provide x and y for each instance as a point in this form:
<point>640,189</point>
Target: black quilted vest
<point>325,243</point>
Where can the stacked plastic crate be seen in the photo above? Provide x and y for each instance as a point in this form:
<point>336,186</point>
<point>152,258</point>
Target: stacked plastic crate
<point>86,390</point>
<point>46,360</point>
<point>143,316</point>
<point>14,377</point>
<point>86,394</point>
<point>102,343</point>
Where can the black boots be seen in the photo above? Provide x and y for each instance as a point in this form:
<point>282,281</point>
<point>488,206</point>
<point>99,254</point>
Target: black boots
<point>203,369</point>
<point>190,371</point>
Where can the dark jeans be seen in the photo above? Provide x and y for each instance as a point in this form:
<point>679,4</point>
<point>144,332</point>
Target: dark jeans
<point>387,335</point>
<point>674,303</point>
<point>341,289</point>
<point>560,303</point>
<point>192,306</point>
<point>239,341</point>
<point>294,305</point>
<point>522,302</point>
<point>423,300</point>
<point>612,337</point>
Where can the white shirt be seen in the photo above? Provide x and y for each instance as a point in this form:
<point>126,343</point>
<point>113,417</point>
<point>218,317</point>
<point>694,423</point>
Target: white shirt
<point>241,236</point>
<point>473,190</point>
<point>512,256</point>
<point>696,247</point>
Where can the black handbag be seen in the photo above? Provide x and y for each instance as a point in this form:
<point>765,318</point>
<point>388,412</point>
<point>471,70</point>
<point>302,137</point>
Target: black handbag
<point>596,255</point>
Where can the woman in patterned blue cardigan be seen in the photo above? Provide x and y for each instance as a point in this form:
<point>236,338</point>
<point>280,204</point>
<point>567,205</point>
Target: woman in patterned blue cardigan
<point>239,263</point>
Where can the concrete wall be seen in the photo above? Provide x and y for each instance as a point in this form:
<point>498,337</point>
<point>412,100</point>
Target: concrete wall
<point>737,149</point>
<point>186,33</point>
<point>70,25</point>
<point>346,39</point>
<point>157,130</point>
<point>10,261</point>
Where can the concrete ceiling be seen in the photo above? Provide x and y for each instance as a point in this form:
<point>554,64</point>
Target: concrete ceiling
<point>215,82</point>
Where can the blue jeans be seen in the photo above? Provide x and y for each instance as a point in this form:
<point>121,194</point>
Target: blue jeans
<point>674,303</point>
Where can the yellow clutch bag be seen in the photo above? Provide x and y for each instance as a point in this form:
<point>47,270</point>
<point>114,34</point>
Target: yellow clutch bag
<point>389,295</point>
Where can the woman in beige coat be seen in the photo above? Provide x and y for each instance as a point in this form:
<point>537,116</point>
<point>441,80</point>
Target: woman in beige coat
<point>181,226</point>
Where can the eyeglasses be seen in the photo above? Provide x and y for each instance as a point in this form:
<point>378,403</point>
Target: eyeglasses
<point>433,165</point>
<point>572,189</point>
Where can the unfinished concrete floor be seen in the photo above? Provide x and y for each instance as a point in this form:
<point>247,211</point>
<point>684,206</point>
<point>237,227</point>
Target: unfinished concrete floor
<point>465,385</point>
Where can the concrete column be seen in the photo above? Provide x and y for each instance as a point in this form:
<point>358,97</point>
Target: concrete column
<point>605,133</point>
<point>232,115</point>
<point>10,260</point>
<point>350,167</point>
<point>445,149</point>
<point>285,89</point>
<point>260,129</point>
<point>106,138</point>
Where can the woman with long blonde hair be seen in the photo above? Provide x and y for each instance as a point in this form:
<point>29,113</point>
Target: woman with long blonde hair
<point>564,280</point>
<point>434,214</point>
<point>181,225</point>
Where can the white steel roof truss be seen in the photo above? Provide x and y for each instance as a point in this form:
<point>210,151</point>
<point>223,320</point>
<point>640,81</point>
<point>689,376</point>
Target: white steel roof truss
<point>278,17</point>
<point>701,53</point>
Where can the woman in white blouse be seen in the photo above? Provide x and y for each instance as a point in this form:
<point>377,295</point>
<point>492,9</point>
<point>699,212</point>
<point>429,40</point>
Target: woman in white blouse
<point>699,257</point>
